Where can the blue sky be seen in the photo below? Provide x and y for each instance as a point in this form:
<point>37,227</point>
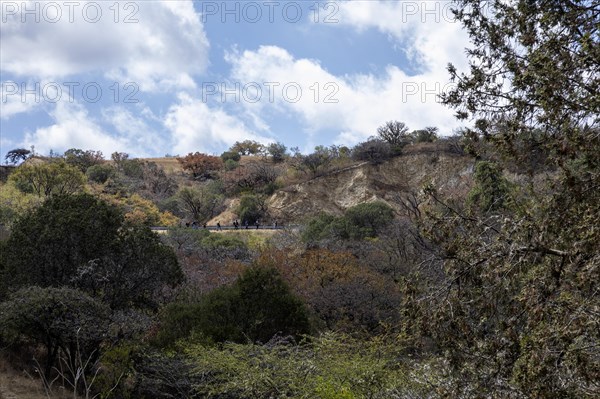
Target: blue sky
<point>170,77</point>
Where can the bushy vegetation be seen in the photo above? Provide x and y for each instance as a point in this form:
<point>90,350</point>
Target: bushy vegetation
<point>481,284</point>
<point>256,307</point>
<point>365,220</point>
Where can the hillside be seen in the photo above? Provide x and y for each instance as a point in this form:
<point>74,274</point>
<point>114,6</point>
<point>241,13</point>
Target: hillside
<point>388,181</point>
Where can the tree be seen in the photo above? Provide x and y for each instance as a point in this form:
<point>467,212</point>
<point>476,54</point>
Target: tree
<point>201,166</point>
<point>157,181</point>
<point>345,295</point>
<point>100,173</point>
<point>491,189</point>
<point>374,151</point>
<point>549,55</point>
<point>201,204</point>
<point>427,135</point>
<point>47,179</point>
<point>251,209</point>
<point>16,155</point>
<point>394,133</point>
<point>81,242</point>
<point>61,319</point>
<point>256,307</point>
<point>83,159</point>
<point>316,162</point>
<point>358,222</point>
<point>247,147</point>
<point>231,156</point>
<point>516,310</point>
<point>277,151</point>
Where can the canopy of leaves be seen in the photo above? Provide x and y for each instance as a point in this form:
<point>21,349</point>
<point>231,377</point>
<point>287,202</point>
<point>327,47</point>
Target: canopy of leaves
<point>516,311</point>
<point>256,307</point>
<point>82,242</point>
<point>251,209</point>
<point>100,173</point>
<point>358,222</point>
<point>374,151</point>
<point>200,203</point>
<point>16,155</point>
<point>83,159</point>
<point>247,147</point>
<point>277,151</point>
<point>46,179</point>
<point>58,318</point>
<point>201,166</point>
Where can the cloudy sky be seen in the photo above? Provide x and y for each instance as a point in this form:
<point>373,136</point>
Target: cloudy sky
<point>169,77</point>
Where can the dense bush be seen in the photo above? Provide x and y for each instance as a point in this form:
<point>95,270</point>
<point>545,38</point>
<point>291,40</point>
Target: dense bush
<point>256,307</point>
<point>100,173</point>
<point>63,320</point>
<point>82,242</point>
<point>250,210</point>
<point>358,222</point>
<point>83,159</point>
<point>277,151</point>
<point>374,151</point>
<point>231,156</point>
<point>47,179</point>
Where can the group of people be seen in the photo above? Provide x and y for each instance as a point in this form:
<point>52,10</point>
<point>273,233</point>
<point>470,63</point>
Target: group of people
<point>236,224</point>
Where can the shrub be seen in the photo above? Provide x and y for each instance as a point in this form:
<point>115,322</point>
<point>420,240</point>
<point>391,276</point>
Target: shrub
<point>100,173</point>
<point>358,222</point>
<point>61,319</point>
<point>230,165</point>
<point>231,156</point>
<point>250,209</point>
<point>374,151</point>
<point>256,307</point>
<point>277,151</point>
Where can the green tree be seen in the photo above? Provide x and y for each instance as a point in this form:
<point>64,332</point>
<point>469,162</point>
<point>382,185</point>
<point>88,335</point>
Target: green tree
<point>81,242</point>
<point>100,173</point>
<point>427,135</point>
<point>231,156</point>
<point>368,219</point>
<point>16,155</point>
<point>65,321</point>
<point>46,179</point>
<point>374,151</point>
<point>199,203</point>
<point>277,151</point>
<point>256,307</point>
<point>516,314</point>
<point>83,159</point>
<point>247,147</point>
<point>491,188</point>
<point>251,209</point>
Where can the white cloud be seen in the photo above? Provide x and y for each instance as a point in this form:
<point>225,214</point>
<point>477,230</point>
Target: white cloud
<point>13,101</point>
<point>135,130</point>
<point>74,128</point>
<point>196,127</point>
<point>364,102</point>
<point>425,31</point>
<point>163,49</point>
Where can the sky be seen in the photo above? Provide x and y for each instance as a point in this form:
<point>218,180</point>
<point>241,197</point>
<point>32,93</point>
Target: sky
<point>156,78</point>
